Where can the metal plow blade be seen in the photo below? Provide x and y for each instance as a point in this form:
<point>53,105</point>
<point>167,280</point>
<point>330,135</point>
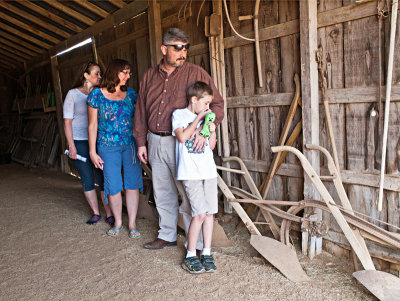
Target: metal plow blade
<point>384,286</point>
<point>280,256</point>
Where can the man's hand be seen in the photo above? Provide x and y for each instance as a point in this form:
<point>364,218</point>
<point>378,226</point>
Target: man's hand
<point>200,142</point>
<point>142,154</point>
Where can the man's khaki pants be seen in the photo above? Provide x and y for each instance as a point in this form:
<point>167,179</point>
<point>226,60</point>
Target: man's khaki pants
<point>165,186</point>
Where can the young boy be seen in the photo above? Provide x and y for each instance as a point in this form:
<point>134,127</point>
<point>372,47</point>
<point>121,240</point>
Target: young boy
<point>198,174</point>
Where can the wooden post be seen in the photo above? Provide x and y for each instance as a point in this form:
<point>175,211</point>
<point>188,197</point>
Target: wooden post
<point>309,89</point>
<point>155,32</point>
<point>59,107</point>
<point>219,80</point>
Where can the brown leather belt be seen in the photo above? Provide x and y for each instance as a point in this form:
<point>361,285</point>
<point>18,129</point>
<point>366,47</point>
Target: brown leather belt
<point>163,134</point>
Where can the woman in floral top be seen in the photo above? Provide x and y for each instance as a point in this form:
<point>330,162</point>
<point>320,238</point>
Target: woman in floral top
<point>111,110</point>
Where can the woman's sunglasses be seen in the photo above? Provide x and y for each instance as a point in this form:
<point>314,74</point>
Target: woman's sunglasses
<point>179,47</point>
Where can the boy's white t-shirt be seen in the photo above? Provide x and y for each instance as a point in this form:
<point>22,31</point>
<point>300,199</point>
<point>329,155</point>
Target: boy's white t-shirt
<point>191,165</point>
<point>75,108</point>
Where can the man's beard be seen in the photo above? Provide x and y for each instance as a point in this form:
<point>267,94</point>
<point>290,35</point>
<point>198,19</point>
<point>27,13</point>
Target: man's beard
<point>179,62</point>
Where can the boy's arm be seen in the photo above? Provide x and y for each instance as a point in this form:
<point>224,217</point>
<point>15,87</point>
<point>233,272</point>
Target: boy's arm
<point>212,140</point>
<point>183,134</point>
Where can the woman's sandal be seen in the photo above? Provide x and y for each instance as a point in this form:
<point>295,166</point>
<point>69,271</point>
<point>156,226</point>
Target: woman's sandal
<point>134,234</point>
<point>110,220</point>
<point>114,232</point>
<point>94,219</point>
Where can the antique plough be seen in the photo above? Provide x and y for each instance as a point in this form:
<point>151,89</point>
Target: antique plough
<point>279,221</point>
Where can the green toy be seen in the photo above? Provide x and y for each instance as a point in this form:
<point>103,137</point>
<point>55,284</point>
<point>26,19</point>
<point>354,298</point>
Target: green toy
<point>205,131</point>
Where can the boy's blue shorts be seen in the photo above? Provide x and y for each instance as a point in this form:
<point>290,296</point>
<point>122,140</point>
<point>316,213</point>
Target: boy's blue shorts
<point>116,158</point>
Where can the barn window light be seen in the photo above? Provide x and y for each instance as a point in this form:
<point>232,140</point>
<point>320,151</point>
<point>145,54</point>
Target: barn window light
<point>87,41</point>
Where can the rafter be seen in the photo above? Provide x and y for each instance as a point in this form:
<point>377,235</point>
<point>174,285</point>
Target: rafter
<point>34,19</point>
<point>50,15</point>
<point>11,55</point>
<point>6,63</point>
<point>20,42</point>
<point>11,62</point>
<point>118,3</point>
<point>93,8</point>
<point>12,50</point>
<point>17,47</point>
<point>24,35</point>
<point>28,28</point>
<point>71,12</point>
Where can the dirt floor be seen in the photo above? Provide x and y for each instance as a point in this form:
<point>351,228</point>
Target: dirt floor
<point>47,252</point>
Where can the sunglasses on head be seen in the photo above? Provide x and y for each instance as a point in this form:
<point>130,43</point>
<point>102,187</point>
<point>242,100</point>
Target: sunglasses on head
<point>179,47</point>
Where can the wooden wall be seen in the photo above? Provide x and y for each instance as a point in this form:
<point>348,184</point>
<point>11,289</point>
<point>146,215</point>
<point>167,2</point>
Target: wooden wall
<point>348,37</point>
<point>350,50</point>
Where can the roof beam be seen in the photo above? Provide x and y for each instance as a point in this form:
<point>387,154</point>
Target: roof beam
<point>69,11</point>
<point>130,10</point>
<point>9,61</point>
<point>28,28</point>
<point>118,3</point>
<point>7,64</point>
<point>12,50</point>
<point>34,19</point>
<point>93,8</point>
<point>25,36</point>
<point>20,42</point>
<point>11,55</point>
<point>49,15</point>
<point>15,46</point>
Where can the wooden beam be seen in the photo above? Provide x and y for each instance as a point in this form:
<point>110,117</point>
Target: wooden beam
<point>310,101</point>
<point>69,11</point>
<point>336,96</point>
<point>12,50</point>
<point>155,32</point>
<point>370,179</point>
<point>18,47</point>
<point>326,18</point>
<point>24,35</point>
<point>12,56</point>
<point>49,15</point>
<point>309,88</point>
<point>59,109</point>
<point>93,8</point>
<point>130,10</point>
<point>21,42</point>
<point>28,28</point>
<point>8,63</point>
<point>118,3</point>
<point>175,18</point>
<point>34,19</point>
<point>116,43</point>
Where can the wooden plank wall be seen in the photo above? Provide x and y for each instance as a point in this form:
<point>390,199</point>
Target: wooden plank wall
<point>350,56</point>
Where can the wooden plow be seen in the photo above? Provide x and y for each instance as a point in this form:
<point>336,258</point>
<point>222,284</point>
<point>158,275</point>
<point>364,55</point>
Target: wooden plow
<point>277,251</point>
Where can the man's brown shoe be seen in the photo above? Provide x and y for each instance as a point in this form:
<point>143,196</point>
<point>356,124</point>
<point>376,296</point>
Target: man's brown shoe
<point>159,243</point>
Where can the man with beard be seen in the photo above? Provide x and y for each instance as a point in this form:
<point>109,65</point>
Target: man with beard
<point>163,90</point>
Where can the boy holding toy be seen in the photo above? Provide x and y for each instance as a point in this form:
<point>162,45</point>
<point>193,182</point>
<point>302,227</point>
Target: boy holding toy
<point>198,173</point>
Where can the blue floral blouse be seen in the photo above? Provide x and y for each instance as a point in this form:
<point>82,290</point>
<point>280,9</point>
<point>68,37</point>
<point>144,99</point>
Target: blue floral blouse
<point>114,117</point>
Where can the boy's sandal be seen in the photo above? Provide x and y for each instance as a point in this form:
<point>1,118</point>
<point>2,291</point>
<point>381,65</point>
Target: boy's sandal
<point>94,219</point>
<point>193,265</point>
<point>114,232</point>
<point>110,220</point>
<point>134,234</point>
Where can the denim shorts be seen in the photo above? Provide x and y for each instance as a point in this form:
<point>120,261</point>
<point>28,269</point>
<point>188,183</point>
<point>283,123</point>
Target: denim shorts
<point>86,170</point>
<point>116,159</point>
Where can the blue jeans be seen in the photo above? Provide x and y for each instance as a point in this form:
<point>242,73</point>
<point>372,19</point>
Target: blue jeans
<point>116,158</point>
<point>86,170</point>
